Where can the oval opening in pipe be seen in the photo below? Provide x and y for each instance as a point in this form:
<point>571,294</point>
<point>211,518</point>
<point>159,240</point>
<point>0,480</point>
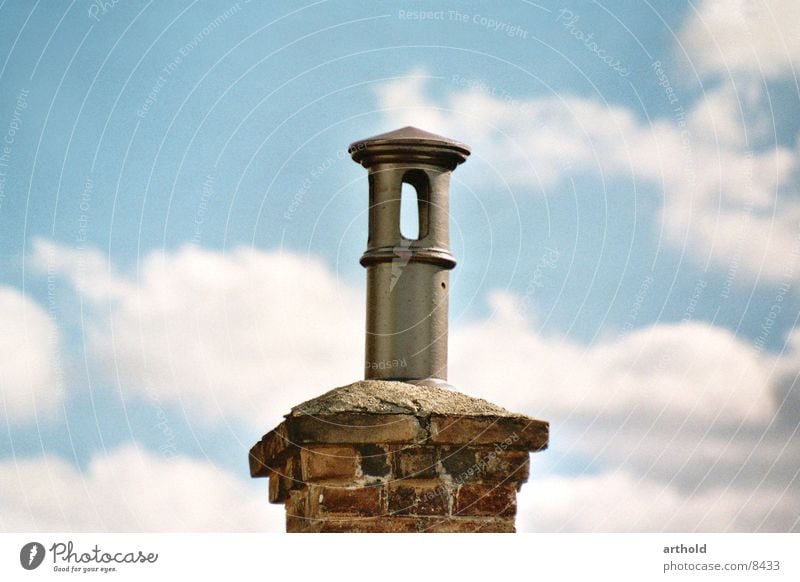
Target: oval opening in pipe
<point>409,212</point>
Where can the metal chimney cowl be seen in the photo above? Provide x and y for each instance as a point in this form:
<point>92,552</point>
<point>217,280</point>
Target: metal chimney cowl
<point>401,451</point>
<point>408,279</point>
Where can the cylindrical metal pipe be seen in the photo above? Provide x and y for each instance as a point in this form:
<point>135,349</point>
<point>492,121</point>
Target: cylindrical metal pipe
<point>407,279</point>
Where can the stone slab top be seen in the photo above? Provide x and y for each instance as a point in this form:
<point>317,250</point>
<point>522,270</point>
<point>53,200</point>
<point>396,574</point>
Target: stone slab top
<point>378,412</point>
<point>386,397</point>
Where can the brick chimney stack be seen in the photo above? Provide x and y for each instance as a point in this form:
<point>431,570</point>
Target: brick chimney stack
<point>401,451</point>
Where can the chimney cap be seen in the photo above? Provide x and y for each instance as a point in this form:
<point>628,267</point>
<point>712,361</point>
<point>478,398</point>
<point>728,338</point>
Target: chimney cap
<point>409,144</point>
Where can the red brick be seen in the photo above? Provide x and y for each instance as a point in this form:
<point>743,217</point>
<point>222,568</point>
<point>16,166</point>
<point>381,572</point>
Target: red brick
<point>299,524</point>
<point>354,429</point>
<point>323,462</point>
<point>349,500</point>
<point>297,504</point>
<point>417,462</point>
<point>270,451</point>
<point>370,525</point>
<point>506,465</point>
<point>486,499</point>
<point>283,479</point>
<point>460,463</point>
<point>469,525</point>
<point>418,497</point>
<point>519,432</point>
<point>376,461</point>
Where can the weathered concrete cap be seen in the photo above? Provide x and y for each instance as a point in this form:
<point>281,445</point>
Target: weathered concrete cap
<point>409,144</point>
<point>384,412</point>
<point>387,397</point>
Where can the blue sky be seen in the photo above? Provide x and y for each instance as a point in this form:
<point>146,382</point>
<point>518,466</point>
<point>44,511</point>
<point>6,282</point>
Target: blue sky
<point>180,229</point>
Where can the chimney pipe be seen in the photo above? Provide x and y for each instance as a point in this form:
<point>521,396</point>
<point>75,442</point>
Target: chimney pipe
<point>396,452</point>
<point>407,279</point>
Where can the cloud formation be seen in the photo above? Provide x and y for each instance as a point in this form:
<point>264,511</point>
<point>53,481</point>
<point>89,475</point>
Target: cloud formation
<point>30,384</point>
<point>747,37</point>
<point>621,502</point>
<point>724,200</point>
<point>246,334</point>
<point>688,410</point>
<point>129,490</point>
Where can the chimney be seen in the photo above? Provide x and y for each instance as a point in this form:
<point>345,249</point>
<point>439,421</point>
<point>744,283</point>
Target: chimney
<point>402,450</point>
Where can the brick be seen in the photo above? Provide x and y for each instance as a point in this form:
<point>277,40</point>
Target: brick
<point>270,451</point>
<point>349,500</point>
<point>256,459</point>
<point>459,462</point>
<point>519,432</point>
<point>283,479</point>
<point>297,503</point>
<point>370,525</point>
<point>486,499</point>
<point>415,462</point>
<point>375,461</point>
<point>468,525</point>
<point>417,497</point>
<point>299,524</point>
<point>277,492</point>
<point>354,429</point>
<point>324,462</point>
<point>505,465</point>
<point>401,499</point>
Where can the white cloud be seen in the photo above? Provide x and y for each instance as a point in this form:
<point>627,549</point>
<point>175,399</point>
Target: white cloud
<point>614,502</point>
<point>223,334</point>
<point>688,404</point>
<point>682,371</point>
<point>29,371</point>
<point>246,334</point>
<point>754,37</point>
<point>679,419</point>
<point>722,200</point>
<point>130,490</point>
<point>689,407</point>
